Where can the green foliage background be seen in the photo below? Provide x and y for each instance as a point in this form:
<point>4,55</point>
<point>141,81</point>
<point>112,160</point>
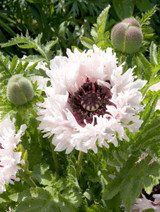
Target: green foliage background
<point>65,20</point>
<point>52,181</point>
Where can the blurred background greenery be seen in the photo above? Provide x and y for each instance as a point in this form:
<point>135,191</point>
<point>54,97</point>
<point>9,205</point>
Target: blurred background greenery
<point>67,20</point>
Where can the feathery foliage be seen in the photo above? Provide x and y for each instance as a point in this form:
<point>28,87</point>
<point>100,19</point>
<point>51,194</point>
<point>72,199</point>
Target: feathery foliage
<point>112,179</point>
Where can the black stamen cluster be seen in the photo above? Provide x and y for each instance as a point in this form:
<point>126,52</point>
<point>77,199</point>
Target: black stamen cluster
<point>90,100</point>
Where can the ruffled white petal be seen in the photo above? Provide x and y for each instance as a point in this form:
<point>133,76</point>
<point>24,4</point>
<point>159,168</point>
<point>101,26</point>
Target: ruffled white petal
<point>143,204</point>
<point>8,157</point>
<point>156,87</point>
<point>67,75</point>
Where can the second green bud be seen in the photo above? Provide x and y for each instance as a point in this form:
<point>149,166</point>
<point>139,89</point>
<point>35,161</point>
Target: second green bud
<point>19,90</point>
<point>127,36</point>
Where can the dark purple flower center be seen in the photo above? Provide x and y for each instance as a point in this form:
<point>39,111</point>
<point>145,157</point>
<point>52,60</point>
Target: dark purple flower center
<point>90,100</point>
<point>155,190</point>
<point>1,147</point>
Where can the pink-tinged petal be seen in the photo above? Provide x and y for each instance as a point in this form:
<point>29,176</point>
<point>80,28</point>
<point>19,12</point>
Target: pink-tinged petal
<point>156,87</point>
<point>8,157</point>
<point>89,100</point>
<point>143,204</point>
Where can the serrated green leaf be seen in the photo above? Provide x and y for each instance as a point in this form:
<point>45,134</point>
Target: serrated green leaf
<point>87,42</point>
<point>149,109</point>
<point>138,67</point>
<point>37,204</point>
<point>65,201</point>
<point>14,197</point>
<point>30,193</point>
<point>34,58</point>
<point>28,42</point>
<point>130,180</point>
<point>117,156</point>
<point>50,44</point>
<point>24,66</point>
<point>13,63</point>
<point>113,188</point>
<point>149,136</point>
<point>151,141</point>
<point>158,56</point>
<point>153,54</point>
<point>27,46</point>
<point>148,32</point>
<point>94,33</point>
<point>16,40</point>
<point>2,200</point>
<point>72,175</point>
<point>146,66</point>
<point>7,60</point>
<point>147,16</point>
<point>152,128</point>
<point>135,178</point>
<point>32,66</point>
<point>101,22</point>
<point>102,45</point>
<point>114,204</point>
<point>42,174</point>
<point>38,38</point>
<point>4,67</point>
<point>154,71</point>
<point>119,160</point>
<point>18,68</point>
<point>74,196</point>
<point>43,199</point>
<point>107,39</point>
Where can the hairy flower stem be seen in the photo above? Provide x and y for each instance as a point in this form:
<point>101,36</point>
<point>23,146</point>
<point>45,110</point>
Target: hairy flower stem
<point>122,59</point>
<point>30,181</point>
<point>33,112</point>
<point>55,160</point>
<point>27,178</point>
<point>78,169</point>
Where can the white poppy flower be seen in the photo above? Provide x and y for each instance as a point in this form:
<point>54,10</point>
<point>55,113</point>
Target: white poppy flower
<point>156,87</point>
<point>143,204</point>
<point>8,157</point>
<point>89,100</point>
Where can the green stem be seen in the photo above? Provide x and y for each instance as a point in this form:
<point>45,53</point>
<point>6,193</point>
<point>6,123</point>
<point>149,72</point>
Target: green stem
<point>55,160</point>
<point>33,112</point>
<point>42,52</point>
<point>30,181</point>
<point>27,178</point>
<point>78,169</point>
<point>122,59</point>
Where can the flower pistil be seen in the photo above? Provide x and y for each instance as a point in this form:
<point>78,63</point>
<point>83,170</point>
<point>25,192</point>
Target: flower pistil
<point>91,99</point>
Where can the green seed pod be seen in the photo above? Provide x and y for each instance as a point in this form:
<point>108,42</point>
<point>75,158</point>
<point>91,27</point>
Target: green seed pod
<point>127,36</point>
<point>19,90</point>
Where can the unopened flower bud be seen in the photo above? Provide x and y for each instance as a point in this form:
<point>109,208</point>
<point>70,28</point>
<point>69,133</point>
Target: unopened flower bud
<point>127,36</point>
<point>19,90</point>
